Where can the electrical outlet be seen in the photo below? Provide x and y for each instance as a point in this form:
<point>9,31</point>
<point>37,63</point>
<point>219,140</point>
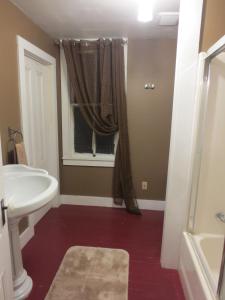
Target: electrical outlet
<point>144,185</point>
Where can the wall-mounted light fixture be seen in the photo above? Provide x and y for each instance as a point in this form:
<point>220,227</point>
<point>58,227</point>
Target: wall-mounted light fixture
<point>145,10</point>
<point>149,86</point>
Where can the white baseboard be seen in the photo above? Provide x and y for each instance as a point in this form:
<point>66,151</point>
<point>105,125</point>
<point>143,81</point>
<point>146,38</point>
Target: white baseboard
<point>108,202</point>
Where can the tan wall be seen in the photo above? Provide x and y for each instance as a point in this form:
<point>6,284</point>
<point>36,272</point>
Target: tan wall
<point>213,23</point>
<point>13,22</point>
<point>149,117</point>
<point>149,112</point>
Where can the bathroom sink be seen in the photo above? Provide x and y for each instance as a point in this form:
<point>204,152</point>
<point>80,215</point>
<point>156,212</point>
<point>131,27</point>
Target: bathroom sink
<point>27,189</point>
<point>26,193</point>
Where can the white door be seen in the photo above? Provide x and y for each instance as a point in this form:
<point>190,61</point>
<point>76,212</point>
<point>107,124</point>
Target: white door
<point>39,121</point>
<point>5,260</point>
<point>36,95</point>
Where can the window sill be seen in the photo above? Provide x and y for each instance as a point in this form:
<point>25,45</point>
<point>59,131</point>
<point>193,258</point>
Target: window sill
<point>106,161</point>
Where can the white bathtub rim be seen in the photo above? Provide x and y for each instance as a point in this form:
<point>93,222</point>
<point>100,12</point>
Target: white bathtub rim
<point>199,268</point>
<point>205,269</point>
<point>202,236</point>
<point>196,239</point>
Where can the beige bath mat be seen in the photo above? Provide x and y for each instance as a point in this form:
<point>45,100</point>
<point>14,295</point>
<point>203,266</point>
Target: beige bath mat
<point>88,273</point>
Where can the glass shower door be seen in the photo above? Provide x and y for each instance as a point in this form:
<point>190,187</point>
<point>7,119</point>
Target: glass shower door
<point>207,214</point>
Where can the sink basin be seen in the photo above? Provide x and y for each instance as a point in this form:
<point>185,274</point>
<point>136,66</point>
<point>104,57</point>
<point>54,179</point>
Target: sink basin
<point>26,193</point>
<point>26,190</point>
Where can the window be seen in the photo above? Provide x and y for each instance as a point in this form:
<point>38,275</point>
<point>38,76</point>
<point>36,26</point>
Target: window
<point>87,141</point>
<point>81,146</point>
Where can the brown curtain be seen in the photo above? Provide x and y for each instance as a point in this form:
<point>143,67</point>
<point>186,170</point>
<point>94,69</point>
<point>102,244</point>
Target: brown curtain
<point>97,84</point>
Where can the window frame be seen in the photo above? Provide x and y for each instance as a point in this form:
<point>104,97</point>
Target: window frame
<point>70,157</point>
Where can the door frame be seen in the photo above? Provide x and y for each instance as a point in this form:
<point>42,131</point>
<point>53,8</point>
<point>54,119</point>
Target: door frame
<point>27,49</point>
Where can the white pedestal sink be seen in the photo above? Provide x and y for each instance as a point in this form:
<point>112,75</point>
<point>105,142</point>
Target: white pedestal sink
<point>26,190</point>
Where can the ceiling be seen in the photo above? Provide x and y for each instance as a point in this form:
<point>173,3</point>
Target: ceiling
<point>95,18</point>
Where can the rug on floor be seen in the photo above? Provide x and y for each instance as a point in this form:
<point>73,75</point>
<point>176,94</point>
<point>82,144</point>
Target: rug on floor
<point>89,273</point>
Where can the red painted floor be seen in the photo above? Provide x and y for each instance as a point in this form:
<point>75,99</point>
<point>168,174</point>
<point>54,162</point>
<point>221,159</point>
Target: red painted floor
<point>105,227</point>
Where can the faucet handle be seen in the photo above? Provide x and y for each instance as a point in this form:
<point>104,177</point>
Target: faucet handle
<point>220,216</point>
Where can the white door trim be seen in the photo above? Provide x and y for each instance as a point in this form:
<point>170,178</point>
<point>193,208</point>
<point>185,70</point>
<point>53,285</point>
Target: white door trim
<point>27,49</point>
<point>182,132</point>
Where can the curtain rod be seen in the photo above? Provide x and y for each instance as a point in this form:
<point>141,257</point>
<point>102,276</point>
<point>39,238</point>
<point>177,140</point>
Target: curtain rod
<point>59,41</point>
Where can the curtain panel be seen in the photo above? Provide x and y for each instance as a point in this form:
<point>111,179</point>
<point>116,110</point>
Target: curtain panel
<point>97,84</point>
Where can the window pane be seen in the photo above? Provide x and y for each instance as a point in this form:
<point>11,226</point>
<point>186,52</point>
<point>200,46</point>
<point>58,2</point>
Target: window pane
<point>105,144</point>
<point>82,133</point>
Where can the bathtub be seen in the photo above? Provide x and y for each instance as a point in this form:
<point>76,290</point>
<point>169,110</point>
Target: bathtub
<point>199,265</point>
<point>210,251</point>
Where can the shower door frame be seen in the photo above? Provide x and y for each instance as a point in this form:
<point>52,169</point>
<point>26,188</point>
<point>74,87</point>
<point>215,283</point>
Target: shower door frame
<point>203,83</point>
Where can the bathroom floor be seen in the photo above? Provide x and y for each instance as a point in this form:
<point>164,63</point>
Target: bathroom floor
<point>103,227</point>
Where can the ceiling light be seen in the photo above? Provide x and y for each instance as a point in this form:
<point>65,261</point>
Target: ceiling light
<point>145,10</point>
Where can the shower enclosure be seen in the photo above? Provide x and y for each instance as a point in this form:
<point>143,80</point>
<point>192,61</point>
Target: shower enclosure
<point>202,253</point>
